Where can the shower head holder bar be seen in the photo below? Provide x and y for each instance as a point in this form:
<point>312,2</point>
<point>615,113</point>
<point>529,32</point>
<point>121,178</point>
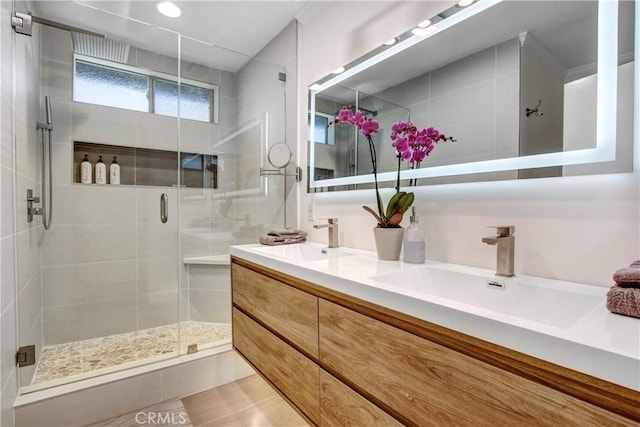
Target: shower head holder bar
<point>22,23</point>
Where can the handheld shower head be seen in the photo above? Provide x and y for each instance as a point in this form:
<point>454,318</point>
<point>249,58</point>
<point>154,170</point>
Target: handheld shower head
<point>47,109</point>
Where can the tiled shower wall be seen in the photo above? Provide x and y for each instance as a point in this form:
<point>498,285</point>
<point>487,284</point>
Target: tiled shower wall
<point>109,264</point>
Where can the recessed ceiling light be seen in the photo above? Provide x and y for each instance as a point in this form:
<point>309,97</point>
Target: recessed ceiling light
<point>421,32</point>
<point>465,3</point>
<point>169,9</point>
<point>424,24</point>
<point>338,70</point>
<point>391,42</point>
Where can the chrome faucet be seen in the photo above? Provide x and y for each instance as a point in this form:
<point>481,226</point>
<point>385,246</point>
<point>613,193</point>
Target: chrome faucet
<point>505,240</point>
<point>333,231</point>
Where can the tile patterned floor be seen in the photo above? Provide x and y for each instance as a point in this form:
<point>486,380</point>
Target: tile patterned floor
<point>63,360</point>
<point>167,414</point>
<point>249,402</point>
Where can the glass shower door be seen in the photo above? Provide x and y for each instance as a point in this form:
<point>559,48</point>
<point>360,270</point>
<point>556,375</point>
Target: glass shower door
<point>224,200</point>
<point>99,291</point>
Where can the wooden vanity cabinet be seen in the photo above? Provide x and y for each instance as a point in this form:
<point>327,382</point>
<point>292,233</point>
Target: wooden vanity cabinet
<point>342,361</point>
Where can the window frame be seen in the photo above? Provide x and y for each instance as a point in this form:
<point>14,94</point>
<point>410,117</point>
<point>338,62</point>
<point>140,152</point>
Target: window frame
<point>311,129</point>
<point>151,75</point>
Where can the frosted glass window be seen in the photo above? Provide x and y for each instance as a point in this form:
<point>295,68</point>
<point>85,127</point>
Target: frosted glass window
<point>100,85</point>
<point>323,133</point>
<point>195,102</point>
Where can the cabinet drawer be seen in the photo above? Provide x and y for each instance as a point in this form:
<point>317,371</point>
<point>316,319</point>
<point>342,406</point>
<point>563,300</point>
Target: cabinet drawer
<point>423,383</point>
<point>288,311</point>
<point>292,373</point>
<point>341,406</point>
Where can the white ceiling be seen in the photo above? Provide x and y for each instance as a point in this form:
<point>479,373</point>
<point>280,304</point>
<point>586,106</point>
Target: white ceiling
<point>234,30</point>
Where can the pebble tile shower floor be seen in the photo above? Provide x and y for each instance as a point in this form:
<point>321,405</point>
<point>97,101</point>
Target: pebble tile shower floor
<point>74,358</point>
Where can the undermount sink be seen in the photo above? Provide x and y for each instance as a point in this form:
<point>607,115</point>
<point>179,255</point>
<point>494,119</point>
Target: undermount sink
<point>554,303</point>
<point>302,252</point>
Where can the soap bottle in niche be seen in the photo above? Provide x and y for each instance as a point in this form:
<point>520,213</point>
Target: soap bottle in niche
<point>86,171</point>
<point>414,246</point>
<point>114,172</point>
<point>101,172</point>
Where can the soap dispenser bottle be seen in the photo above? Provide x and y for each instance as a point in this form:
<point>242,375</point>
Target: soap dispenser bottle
<point>414,246</point>
<point>86,171</point>
<point>101,172</point>
<point>114,172</point>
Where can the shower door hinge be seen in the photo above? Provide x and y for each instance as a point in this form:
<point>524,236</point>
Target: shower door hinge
<point>26,356</point>
<point>22,23</point>
<point>282,77</point>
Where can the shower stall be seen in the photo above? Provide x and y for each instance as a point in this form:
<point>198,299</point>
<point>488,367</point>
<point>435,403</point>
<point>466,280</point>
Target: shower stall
<point>134,273</point>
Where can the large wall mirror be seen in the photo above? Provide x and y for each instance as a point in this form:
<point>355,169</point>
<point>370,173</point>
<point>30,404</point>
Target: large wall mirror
<point>527,88</point>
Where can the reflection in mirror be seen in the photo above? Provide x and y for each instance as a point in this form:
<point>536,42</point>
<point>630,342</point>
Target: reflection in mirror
<point>518,80</point>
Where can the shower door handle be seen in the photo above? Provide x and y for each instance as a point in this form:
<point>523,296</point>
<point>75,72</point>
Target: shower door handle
<point>164,208</point>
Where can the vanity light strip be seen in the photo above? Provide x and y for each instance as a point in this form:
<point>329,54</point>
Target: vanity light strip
<point>464,14</point>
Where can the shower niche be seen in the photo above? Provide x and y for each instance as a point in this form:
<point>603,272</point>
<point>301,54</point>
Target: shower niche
<point>148,167</point>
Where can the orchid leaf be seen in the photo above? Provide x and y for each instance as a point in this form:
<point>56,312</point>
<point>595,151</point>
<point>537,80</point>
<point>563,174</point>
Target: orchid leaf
<point>393,202</point>
<point>405,202</point>
<point>375,215</point>
<point>395,219</point>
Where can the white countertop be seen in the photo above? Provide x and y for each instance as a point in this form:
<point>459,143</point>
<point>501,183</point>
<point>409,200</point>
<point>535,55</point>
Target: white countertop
<point>593,341</point>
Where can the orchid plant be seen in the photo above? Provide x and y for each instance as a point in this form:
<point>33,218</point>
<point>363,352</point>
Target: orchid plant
<point>409,144</point>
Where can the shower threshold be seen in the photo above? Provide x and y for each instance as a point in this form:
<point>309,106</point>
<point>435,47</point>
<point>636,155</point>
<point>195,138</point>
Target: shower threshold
<point>66,362</point>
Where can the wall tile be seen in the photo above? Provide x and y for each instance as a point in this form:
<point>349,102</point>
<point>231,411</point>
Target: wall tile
<point>508,57</point>
<point>82,283</point>
<point>28,255</point>
<point>89,320</point>
<point>157,274</point>
<point>228,84</point>
<point>210,305</point>
<point>195,136</point>
<point>6,202</point>
<point>158,132</point>
<point>148,204</point>
<point>82,243</point>
<point>468,103</point>
<point>92,204</point>
<point>61,118</point>
<point>9,343</point>
<point>8,397</point>
<point>157,240</point>
<point>195,204</point>
<point>57,44</point>
<point>62,161</point>
<point>468,71</point>
<point>210,277</point>
<point>7,273</point>
<point>57,81</point>
<point>22,184</point>
<point>158,309</point>
<point>29,307</point>
<point>105,125</point>
<point>157,62</point>
<point>194,238</point>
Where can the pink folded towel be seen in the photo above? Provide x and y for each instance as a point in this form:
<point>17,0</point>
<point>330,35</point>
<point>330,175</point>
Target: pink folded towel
<point>635,264</point>
<point>627,277</point>
<point>266,239</point>
<point>625,301</point>
<point>287,232</point>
